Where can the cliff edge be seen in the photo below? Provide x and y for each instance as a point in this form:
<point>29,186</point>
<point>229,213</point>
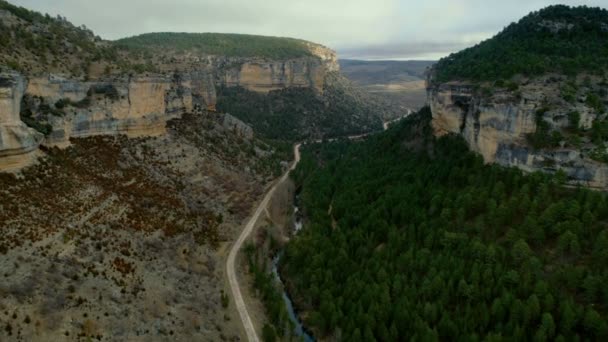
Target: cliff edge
<point>538,110</point>
<point>61,82</point>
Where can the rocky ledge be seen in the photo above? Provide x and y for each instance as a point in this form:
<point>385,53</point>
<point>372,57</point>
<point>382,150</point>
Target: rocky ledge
<point>504,122</point>
<point>18,142</point>
<point>136,105</point>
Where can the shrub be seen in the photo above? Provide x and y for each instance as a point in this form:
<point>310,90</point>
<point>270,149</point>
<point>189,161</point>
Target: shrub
<point>595,102</point>
<point>574,119</point>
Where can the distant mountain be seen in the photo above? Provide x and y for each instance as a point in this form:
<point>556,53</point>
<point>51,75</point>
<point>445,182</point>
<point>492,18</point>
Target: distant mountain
<point>555,39</point>
<point>383,72</point>
<point>400,84</point>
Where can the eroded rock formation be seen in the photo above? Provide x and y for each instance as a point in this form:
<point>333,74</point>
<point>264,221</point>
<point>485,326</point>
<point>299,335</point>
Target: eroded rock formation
<point>18,143</point>
<point>137,105</point>
<point>498,126</point>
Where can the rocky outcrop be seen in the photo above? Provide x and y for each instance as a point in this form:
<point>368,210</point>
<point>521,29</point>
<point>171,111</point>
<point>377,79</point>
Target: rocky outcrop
<point>139,105</point>
<point>264,76</point>
<point>240,128</point>
<point>135,106</point>
<point>18,142</point>
<point>498,126</point>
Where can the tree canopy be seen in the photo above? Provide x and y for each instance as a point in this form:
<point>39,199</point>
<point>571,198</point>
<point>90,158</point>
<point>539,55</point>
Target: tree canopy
<point>231,45</point>
<point>408,236</point>
<point>558,38</point>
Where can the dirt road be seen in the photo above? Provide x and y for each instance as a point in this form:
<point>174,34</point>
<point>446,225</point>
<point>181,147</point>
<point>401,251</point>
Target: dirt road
<point>230,263</point>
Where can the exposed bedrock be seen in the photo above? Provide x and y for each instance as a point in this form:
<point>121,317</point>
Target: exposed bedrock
<point>498,125</point>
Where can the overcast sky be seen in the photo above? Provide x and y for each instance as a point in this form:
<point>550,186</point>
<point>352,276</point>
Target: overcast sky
<point>365,29</point>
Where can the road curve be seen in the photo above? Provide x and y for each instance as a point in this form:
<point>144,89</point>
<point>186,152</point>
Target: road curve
<point>230,263</point>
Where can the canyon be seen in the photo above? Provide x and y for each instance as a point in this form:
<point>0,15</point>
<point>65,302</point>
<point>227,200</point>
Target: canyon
<point>136,105</point>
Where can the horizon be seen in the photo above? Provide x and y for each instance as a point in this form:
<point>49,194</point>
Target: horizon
<point>357,29</point>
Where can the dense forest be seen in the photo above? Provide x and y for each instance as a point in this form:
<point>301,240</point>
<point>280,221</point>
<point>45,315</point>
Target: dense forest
<point>555,39</point>
<point>294,114</point>
<point>408,236</point>
<point>231,45</point>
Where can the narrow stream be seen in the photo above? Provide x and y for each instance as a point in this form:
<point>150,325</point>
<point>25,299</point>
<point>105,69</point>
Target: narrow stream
<point>299,330</point>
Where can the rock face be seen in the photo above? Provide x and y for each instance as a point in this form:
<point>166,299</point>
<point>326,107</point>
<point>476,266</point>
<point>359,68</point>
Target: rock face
<point>237,126</point>
<point>135,106</point>
<point>18,142</point>
<point>139,105</point>
<point>264,76</point>
<point>498,126</point>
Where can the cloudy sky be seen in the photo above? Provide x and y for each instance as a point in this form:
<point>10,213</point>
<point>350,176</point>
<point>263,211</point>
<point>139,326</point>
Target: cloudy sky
<point>366,29</point>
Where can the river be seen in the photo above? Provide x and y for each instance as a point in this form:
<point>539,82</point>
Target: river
<point>299,330</point>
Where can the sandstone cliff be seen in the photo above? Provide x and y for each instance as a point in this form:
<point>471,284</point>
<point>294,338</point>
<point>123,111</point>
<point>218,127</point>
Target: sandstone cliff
<point>500,124</point>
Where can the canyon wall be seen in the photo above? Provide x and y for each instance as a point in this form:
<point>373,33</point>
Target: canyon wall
<point>498,126</point>
<point>264,76</point>
<point>18,143</point>
<point>136,105</point>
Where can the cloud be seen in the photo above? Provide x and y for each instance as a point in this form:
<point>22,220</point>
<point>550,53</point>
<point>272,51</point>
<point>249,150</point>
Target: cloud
<point>356,28</point>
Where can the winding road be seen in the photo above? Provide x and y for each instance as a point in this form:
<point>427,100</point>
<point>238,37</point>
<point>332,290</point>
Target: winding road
<point>230,263</point>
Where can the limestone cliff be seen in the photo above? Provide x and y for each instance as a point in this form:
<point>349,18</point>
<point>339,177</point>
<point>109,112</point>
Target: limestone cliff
<point>76,84</point>
<point>18,142</point>
<point>264,75</point>
<point>140,104</point>
<point>135,106</point>
<point>500,124</point>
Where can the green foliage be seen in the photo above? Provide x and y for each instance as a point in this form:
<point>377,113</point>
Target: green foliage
<point>599,131</point>
<point>543,137</point>
<point>599,153</point>
<point>22,13</point>
<point>297,113</point>
<point>539,43</point>
<point>595,102</point>
<point>42,127</point>
<point>268,333</point>
<point>574,119</point>
<point>265,283</point>
<point>232,45</point>
<point>225,299</point>
<point>568,91</point>
<point>52,42</point>
<point>425,241</point>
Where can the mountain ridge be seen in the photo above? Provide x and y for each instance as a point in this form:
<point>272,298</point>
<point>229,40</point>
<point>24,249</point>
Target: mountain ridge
<point>558,38</point>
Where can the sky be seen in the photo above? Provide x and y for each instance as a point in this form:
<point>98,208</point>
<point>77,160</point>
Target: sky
<point>357,29</point>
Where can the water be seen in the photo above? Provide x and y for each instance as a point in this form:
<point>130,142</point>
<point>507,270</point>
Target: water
<point>299,330</point>
<point>297,223</point>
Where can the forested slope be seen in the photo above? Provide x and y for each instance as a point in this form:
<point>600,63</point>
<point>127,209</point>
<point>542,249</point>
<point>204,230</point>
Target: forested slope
<point>558,39</point>
<point>232,45</point>
<point>412,237</point>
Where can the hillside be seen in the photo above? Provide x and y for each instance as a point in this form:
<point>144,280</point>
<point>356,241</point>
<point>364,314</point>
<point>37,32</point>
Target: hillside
<point>76,84</point>
<point>534,96</point>
<point>298,114</point>
<point>34,43</point>
<point>412,237</point>
<point>384,72</point>
<point>399,84</point>
<point>556,39</point>
<point>123,178</point>
<point>230,45</point>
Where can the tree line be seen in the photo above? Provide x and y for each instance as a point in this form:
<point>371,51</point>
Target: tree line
<point>412,237</point>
